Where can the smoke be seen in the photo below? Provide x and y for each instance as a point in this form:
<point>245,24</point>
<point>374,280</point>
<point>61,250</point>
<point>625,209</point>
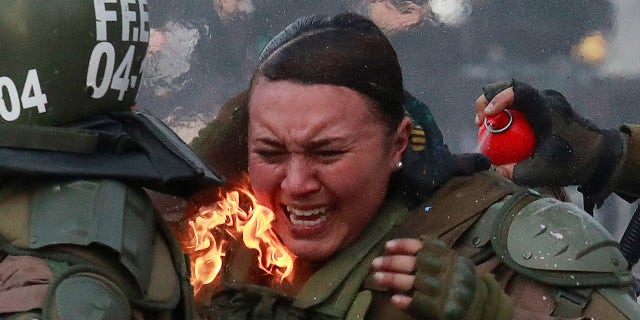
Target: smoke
<point>392,16</point>
<point>169,57</point>
<point>450,12</point>
<point>397,15</point>
<point>622,59</point>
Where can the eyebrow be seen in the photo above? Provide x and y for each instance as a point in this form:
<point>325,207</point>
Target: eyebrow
<point>310,145</point>
<point>270,142</point>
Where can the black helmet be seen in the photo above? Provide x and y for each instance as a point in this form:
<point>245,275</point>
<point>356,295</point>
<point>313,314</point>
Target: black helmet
<point>64,60</point>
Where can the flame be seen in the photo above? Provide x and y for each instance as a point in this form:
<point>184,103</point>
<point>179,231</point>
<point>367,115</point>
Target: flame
<point>592,48</point>
<point>237,215</point>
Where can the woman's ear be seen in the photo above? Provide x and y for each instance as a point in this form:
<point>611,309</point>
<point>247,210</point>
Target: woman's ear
<point>401,140</point>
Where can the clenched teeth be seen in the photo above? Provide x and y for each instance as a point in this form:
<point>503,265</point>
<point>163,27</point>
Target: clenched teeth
<point>297,215</point>
<point>306,213</point>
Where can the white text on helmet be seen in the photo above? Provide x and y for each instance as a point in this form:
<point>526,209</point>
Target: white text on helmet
<point>133,17</point>
<point>31,97</point>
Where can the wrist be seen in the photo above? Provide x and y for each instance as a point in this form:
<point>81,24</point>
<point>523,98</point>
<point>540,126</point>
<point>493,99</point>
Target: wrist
<point>625,179</point>
<point>602,172</point>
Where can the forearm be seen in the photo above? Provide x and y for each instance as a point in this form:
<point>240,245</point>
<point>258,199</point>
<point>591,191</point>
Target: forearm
<point>626,179</point>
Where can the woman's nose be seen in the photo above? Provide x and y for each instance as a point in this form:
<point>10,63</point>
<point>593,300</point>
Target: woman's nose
<point>300,178</point>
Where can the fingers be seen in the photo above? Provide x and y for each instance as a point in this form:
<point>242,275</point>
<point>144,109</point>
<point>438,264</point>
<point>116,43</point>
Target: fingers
<point>401,301</point>
<point>394,270</point>
<point>402,247</point>
<point>501,101</point>
<point>399,256</point>
<point>506,170</point>
<point>481,104</point>
<point>398,282</point>
<point>397,263</point>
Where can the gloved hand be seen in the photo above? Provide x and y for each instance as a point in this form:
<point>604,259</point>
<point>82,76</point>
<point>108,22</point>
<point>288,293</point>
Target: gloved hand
<point>447,287</point>
<point>570,150</point>
<point>444,285</point>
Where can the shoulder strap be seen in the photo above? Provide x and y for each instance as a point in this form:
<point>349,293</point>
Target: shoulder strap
<point>456,206</point>
<point>47,138</point>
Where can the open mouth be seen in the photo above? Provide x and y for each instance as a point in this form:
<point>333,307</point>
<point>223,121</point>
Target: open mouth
<point>307,218</point>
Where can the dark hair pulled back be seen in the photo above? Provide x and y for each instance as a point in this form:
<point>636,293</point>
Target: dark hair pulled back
<point>345,50</point>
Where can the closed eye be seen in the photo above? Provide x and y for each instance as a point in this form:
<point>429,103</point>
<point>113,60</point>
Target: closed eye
<point>329,156</point>
<point>271,155</point>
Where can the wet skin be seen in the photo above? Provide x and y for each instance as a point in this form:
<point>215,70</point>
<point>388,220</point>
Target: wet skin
<point>321,158</point>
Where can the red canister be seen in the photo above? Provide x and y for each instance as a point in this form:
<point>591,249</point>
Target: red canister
<point>506,137</point>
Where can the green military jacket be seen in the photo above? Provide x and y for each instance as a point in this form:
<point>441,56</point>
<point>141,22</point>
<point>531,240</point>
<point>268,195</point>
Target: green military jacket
<point>481,216</point>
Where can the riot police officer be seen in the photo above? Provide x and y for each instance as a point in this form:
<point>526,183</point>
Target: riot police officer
<point>79,237</point>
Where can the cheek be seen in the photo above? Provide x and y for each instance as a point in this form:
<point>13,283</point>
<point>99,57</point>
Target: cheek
<point>264,179</point>
<point>358,181</point>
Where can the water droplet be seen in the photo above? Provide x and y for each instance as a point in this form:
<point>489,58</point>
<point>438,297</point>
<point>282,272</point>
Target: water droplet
<point>556,235</point>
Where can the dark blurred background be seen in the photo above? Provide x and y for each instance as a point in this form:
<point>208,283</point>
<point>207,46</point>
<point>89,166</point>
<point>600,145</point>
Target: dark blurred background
<point>202,53</point>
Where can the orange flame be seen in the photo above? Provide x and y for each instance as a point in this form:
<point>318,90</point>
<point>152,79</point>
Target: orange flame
<point>237,215</point>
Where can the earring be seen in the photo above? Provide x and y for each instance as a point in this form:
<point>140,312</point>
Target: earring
<point>399,165</point>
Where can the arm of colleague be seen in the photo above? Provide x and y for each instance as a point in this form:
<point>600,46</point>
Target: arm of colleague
<point>570,150</point>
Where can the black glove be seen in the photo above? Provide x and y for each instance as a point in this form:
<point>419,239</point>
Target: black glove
<point>569,150</point>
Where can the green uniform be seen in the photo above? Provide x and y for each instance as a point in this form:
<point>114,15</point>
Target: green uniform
<point>87,249</point>
<point>581,279</point>
<point>79,237</point>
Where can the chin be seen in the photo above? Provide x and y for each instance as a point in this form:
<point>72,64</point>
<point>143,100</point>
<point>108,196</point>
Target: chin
<point>310,251</point>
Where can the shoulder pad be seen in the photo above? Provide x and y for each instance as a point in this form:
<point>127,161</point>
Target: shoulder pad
<point>104,212</point>
<point>558,243</point>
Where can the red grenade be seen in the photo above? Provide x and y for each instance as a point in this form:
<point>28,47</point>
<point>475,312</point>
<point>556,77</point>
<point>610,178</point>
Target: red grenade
<point>506,137</point>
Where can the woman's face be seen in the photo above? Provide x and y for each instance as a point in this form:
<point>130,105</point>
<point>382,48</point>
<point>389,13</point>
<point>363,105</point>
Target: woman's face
<point>321,159</point>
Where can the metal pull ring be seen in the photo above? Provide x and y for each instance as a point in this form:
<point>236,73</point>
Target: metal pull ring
<point>500,130</point>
